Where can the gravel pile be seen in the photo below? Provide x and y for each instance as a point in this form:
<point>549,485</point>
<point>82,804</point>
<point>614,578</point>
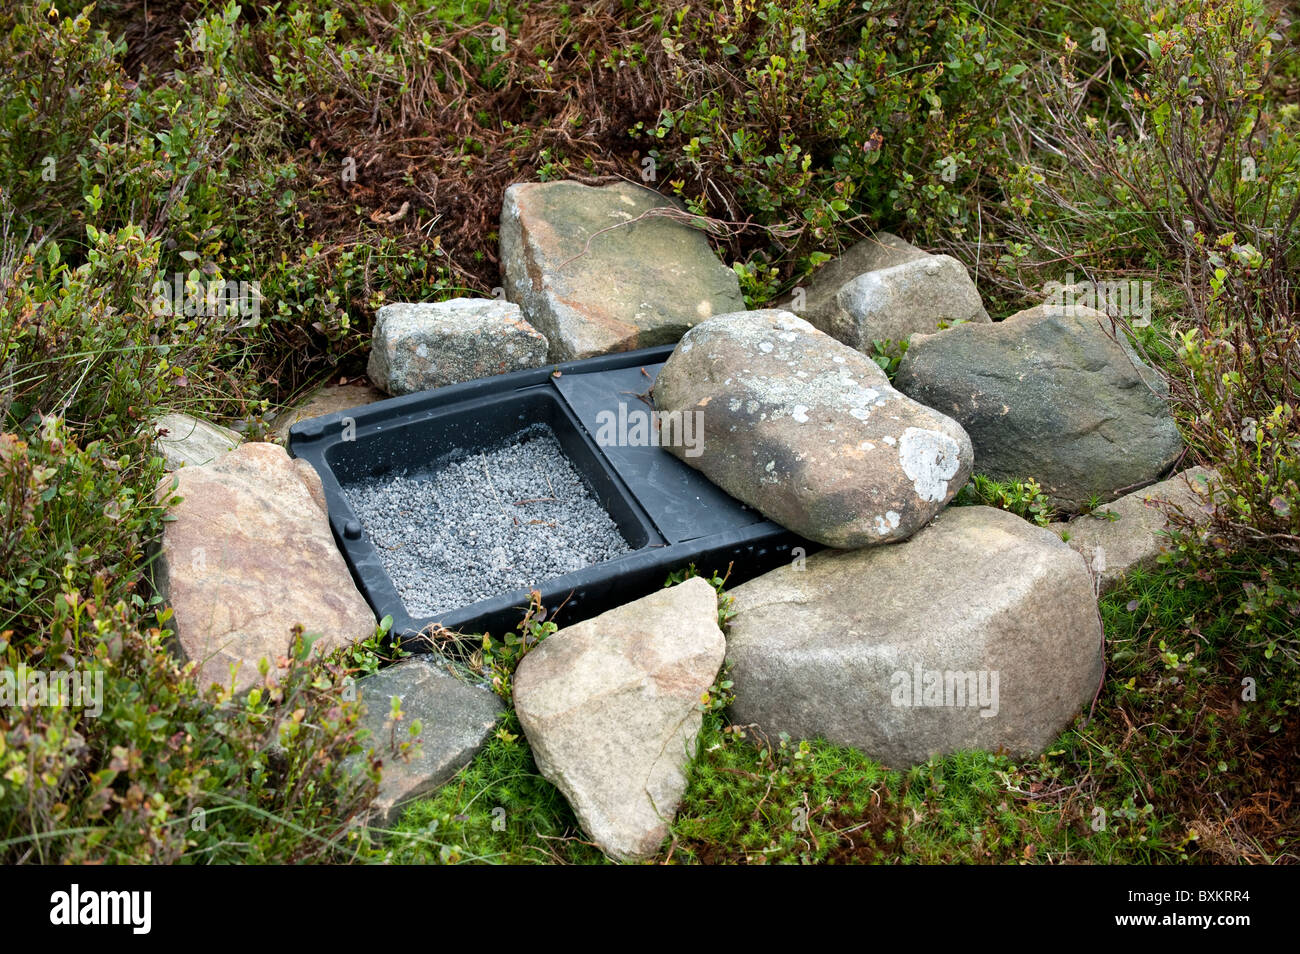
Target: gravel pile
<point>484,524</point>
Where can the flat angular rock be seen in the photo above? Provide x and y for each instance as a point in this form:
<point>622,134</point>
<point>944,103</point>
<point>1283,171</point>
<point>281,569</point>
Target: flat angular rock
<point>429,345</point>
<point>636,285</point>
<point>611,709</point>
<point>1132,531</point>
<point>1050,394</point>
<point>809,431</point>
<point>325,400</point>
<point>248,555</point>
<point>455,721</point>
<point>980,632</point>
<point>185,441</point>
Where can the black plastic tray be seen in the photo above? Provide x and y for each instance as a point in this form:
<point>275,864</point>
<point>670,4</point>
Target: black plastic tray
<point>670,514</point>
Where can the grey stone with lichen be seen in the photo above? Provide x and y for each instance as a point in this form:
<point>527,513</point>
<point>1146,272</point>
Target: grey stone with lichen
<point>428,345</point>
<point>1056,394</point>
<point>809,431</point>
<point>455,719</point>
<point>600,270</point>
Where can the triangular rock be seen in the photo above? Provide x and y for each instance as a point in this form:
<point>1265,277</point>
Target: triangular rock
<point>611,709</point>
<point>186,441</point>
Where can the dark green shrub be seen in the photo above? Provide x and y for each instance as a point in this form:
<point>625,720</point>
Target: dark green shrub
<point>1203,180</point>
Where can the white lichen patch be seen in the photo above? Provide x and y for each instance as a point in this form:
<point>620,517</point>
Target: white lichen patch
<point>929,459</point>
<point>889,440</point>
<point>887,523</point>
<point>803,381</point>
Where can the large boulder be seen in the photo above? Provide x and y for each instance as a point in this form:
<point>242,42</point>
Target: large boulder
<point>595,281</point>
<point>1050,393</point>
<point>883,289</point>
<point>1134,530</point>
<point>455,720</point>
<point>432,344</point>
<point>325,400</point>
<point>186,441</point>
<point>247,555</point>
<point>980,632</point>
<point>611,709</point>
<point>809,431</point>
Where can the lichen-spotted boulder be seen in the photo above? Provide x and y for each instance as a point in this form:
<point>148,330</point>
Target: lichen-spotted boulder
<point>1053,393</point>
<point>247,555</point>
<point>980,632</point>
<point>809,431</point>
<point>599,270</point>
